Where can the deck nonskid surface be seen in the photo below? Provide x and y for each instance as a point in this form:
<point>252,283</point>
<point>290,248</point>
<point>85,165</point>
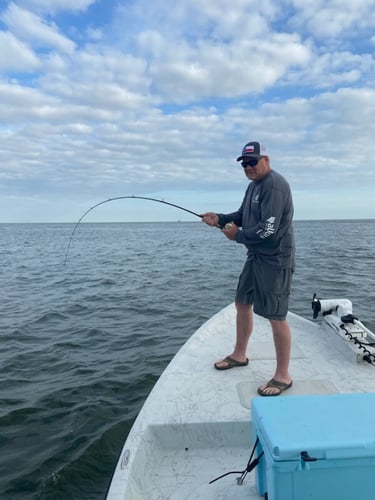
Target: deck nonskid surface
<point>199,419</point>
<point>182,475</point>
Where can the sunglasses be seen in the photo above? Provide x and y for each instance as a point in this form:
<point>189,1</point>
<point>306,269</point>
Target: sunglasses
<point>250,162</point>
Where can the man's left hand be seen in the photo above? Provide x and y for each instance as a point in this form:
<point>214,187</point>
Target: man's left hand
<point>230,231</point>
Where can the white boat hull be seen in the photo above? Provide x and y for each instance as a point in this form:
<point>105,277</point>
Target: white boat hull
<point>196,423</point>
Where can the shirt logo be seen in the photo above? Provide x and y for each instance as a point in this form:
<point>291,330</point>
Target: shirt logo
<point>269,228</point>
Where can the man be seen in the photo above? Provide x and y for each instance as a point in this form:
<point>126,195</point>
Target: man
<point>263,224</point>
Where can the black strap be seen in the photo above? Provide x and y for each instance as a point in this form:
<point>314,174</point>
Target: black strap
<point>251,464</point>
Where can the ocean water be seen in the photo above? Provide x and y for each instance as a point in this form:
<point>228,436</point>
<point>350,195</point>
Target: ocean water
<point>82,344</point>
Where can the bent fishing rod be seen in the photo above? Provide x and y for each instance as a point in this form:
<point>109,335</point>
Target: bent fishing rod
<point>122,198</point>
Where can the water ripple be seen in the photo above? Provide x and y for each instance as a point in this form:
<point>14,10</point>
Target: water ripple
<point>83,344</point>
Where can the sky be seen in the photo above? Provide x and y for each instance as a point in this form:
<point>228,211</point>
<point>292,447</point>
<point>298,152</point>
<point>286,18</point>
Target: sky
<point>103,98</point>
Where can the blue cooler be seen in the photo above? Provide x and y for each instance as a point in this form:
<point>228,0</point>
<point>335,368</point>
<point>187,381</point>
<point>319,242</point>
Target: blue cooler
<point>315,447</point>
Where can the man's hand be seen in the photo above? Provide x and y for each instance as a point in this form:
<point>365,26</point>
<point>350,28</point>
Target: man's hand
<point>230,231</point>
<point>210,218</point>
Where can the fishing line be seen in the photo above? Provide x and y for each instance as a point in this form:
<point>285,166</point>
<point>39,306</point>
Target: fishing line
<point>122,198</point>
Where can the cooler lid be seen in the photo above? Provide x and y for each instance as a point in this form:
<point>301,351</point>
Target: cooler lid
<point>327,426</point>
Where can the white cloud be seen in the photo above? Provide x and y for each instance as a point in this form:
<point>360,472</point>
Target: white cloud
<point>34,29</point>
<point>100,79</point>
<point>333,69</point>
<point>165,97</point>
<point>55,6</point>
<point>330,19</point>
<point>94,33</point>
<point>16,55</point>
<point>182,73</point>
<point>18,98</point>
<point>310,141</point>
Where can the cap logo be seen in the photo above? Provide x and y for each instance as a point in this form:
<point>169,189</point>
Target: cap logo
<point>248,149</point>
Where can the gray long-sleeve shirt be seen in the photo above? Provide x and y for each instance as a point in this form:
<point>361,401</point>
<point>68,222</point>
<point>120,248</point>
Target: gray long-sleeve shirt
<point>265,217</point>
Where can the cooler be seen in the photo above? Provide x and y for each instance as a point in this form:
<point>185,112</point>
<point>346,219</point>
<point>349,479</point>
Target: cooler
<point>315,447</point>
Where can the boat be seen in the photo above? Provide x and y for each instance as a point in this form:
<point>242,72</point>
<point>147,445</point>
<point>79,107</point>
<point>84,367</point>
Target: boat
<point>196,426</point>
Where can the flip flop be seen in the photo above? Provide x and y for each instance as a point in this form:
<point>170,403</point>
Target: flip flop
<point>230,363</point>
<point>274,384</point>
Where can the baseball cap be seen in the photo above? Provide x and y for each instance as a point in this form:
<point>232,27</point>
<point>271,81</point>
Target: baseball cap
<point>253,149</point>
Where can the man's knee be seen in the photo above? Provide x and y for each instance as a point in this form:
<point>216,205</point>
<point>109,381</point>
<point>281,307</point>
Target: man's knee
<point>245,308</point>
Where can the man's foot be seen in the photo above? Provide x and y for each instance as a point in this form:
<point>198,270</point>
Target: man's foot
<point>274,388</point>
<point>228,363</point>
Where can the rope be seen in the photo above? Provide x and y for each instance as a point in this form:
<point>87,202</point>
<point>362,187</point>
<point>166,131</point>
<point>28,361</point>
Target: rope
<point>369,357</point>
<point>251,464</point>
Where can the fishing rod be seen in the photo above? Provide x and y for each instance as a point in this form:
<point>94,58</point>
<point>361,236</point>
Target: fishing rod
<point>123,198</point>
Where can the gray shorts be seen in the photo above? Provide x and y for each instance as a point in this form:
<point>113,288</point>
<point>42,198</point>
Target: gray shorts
<point>266,288</point>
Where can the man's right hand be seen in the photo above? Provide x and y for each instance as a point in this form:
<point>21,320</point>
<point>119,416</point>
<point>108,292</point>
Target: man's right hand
<point>210,218</point>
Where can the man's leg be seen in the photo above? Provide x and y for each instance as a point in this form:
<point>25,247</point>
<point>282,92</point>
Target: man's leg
<point>244,325</point>
<point>283,342</point>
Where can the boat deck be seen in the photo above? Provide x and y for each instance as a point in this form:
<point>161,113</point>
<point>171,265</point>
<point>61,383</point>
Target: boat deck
<point>196,424</point>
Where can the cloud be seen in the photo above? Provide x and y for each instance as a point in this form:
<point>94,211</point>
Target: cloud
<point>32,28</point>
<point>183,73</point>
<point>22,104</point>
<point>333,69</point>
<point>331,19</point>
<point>102,81</point>
<point>55,6</point>
<point>164,96</point>
<point>310,140</point>
<point>16,55</point>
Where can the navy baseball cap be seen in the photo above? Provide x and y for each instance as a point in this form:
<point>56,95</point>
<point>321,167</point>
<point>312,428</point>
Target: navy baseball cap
<point>253,149</point>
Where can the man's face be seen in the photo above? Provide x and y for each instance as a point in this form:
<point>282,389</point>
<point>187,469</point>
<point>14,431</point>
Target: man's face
<point>258,171</point>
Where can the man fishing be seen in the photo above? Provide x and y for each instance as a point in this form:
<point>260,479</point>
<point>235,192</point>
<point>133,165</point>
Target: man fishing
<point>263,223</point>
